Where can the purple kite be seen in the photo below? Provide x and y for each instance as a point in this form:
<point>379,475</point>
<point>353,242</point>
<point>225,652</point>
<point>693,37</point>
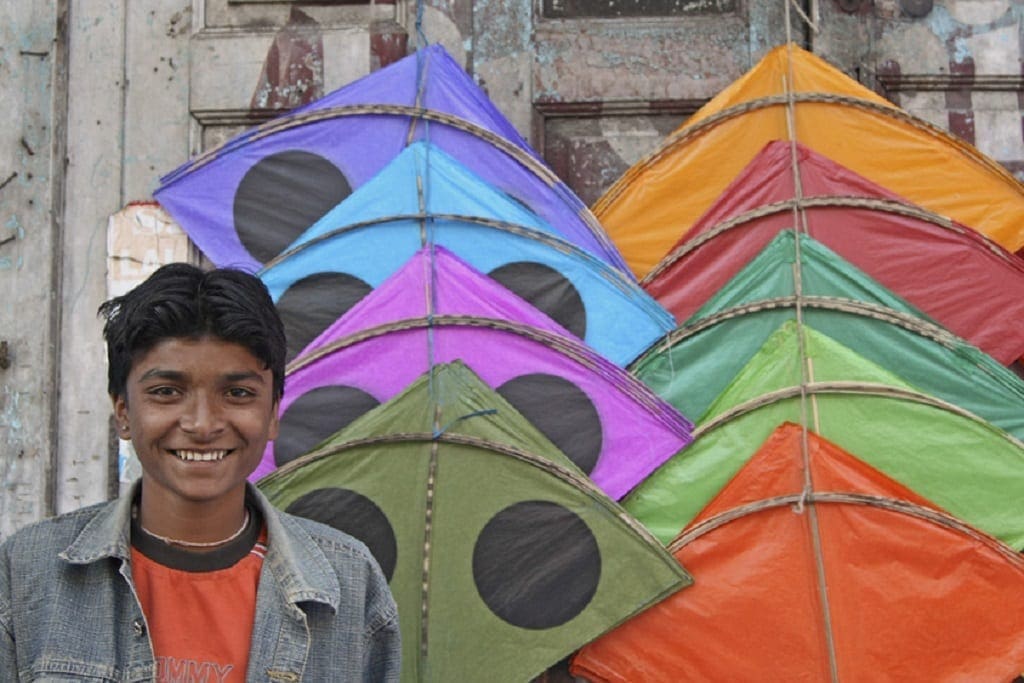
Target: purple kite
<point>437,309</point>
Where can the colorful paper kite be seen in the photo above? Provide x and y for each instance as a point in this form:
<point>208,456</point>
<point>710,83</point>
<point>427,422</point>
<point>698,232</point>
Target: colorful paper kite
<point>962,280</point>
<point>811,565</point>
<point>968,467</point>
<point>503,558</point>
<point>424,196</point>
<point>436,309</point>
<point>689,368</point>
<point>244,202</point>
<point>927,166</point>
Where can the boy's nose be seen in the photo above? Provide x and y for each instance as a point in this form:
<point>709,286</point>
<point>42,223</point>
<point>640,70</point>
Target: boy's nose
<point>202,417</point>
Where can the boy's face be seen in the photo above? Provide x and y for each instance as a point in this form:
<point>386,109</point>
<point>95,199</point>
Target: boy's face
<point>199,413</point>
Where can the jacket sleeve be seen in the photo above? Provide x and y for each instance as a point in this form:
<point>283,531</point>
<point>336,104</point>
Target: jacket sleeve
<point>383,646</point>
<point>384,653</point>
<point>8,662</point>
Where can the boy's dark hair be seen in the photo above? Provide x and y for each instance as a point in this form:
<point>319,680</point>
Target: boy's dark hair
<point>182,301</point>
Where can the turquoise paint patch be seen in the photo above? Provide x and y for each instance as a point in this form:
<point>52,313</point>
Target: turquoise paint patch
<point>945,26</point>
<point>12,414</point>
<point>961,51</point>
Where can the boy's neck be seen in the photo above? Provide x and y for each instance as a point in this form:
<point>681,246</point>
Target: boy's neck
<point>191,522</point>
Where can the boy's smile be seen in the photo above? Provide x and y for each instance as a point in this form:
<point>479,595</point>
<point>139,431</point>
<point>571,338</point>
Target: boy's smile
<point>199,413</point>
<point>201,455</point>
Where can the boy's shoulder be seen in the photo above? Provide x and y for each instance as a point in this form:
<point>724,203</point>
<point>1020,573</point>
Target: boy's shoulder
<point>325,536</point>
<point>49,533</point>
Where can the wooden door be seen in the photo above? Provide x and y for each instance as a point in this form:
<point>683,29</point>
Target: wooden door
<point>599,84</point>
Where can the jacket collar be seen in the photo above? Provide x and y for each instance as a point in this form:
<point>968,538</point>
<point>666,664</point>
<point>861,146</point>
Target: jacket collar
<point>298,563</point>
<point>106,534</point>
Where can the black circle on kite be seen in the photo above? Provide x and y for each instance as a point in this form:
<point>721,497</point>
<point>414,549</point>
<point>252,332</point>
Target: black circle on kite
<point>316,415</point>
<point>357,516</point>
<point>548,290</point>
<point>313,303</point>
<point>536,564</point>
<point>562,412</point>
<point>283,194</point>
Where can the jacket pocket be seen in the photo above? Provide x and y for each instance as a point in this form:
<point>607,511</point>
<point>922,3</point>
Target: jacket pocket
<point>62,670</point>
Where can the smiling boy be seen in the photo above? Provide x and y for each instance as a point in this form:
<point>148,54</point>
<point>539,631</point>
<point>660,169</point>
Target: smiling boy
<point>192,575</point>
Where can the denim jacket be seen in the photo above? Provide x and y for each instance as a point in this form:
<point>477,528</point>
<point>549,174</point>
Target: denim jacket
<point>69,612</point>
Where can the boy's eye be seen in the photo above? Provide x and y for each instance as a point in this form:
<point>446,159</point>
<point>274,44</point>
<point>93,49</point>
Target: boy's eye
<point>240,392</point>
<point>163,391</point>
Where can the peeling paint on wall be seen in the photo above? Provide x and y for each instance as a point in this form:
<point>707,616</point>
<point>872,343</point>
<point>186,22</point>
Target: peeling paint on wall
<point>389,42</point>
<point>10,412</point>
<point>293,72</point>
<point>180,22</point>
<point>502,27</point>
<point>140,238</point>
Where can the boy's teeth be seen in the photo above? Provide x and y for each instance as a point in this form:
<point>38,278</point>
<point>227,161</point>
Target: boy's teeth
<point>200,455</point>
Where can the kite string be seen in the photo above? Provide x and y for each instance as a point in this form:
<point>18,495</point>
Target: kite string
<point>428,533</point>
<point>418,120</point>
<point>423,193</point>
<point>806,19</point>
<point>476,413</point>
<point>421,43</point>
<point>430,280</point>
<point>800,229</point>
<point>421,36</point>
<point>421,81</point>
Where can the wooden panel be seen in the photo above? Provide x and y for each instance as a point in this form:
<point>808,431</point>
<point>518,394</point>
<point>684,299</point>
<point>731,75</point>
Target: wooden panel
<point>611,79</point>
<point>226,70</point>
<point>590,147</point>
<point>249,16</point>
<point>579,9</point>
<point>31,75</point>
<point>321,2</point>
<point>95,182</point>
<point>156,70</point>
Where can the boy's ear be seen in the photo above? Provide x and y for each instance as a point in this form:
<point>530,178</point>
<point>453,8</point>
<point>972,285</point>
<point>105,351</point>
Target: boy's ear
<point>121,416</point>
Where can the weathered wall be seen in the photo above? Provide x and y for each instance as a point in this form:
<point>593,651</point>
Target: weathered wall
<point>103,96</point>
<point>93,177</point>
<point>32,77</point>
<point>92,123</point>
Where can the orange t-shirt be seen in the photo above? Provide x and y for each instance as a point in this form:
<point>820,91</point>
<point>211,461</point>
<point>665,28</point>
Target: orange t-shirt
<point>200,621</point>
